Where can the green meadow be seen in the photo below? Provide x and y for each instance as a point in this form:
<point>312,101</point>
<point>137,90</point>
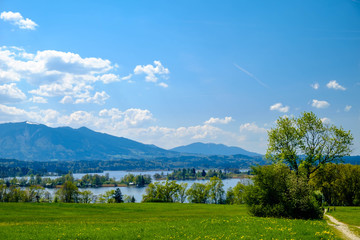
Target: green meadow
<point>348,215</point>
<point>149,221</point>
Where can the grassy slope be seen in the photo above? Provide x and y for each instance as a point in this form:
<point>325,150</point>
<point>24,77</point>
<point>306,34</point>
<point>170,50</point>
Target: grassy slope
<point>148,221</point>
<point>348,215</point>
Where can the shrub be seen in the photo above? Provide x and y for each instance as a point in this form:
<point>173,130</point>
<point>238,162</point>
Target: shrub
<point>280,192</point>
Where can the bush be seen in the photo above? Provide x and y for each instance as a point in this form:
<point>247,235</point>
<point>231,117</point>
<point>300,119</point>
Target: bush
<point>280,192</point>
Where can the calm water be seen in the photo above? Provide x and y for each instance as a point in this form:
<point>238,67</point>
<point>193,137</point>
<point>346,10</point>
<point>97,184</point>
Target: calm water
<point>137,192</point>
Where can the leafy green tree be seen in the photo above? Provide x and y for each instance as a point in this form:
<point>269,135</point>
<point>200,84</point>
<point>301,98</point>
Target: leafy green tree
<point>215,190</point>
<point>181,193</point>
<point>161,192</point>
<point>86,196</point>
<point>109,196</point>
<point>339,184</point>
<point>198,193</point>
<point>68,192</point>
<point>279,192</point>
<point>236,195</point>
<point>306,143</point>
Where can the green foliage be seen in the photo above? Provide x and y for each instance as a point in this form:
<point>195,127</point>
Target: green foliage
<point>138,180</point>
<point>210,192</point>
<point>162,192</point>
<point>118,196</point>
<point>149,221</point>
<point>197,193</point>
<point>86,196</point>
<point>68,192</point>
<point>236,195</point>
<point>307,143</point>
<point>279,192</point>
<point>340,184</point>
<point>215,190</point>
<point>192,174</point>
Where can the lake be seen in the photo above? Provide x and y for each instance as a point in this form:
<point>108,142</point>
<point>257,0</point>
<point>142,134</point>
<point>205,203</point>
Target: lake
<point>137,192</point>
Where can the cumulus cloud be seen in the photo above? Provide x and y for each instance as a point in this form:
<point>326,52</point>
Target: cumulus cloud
<point>334,85</point>
<point>57,74</point>
<point>136,124</point>
<point>17,19</point>
<point>66,100</point>
<point>347,108</point>
<point>153,72</point>
<point>128,118</point>
<point>47,116</point>
<point>315,86</point>
<point>37,99</point>
<point>320,104</point>
<point>99,98</point>
<point>164,85</point>
<point>11,93</point>
<point>252,127</point>
<point>326,120</point>
<point>279,107</point>
<point>225,120</point>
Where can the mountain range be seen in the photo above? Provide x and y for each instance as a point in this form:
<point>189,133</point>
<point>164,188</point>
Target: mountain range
<point>213,149</point>
<point>38,142</point>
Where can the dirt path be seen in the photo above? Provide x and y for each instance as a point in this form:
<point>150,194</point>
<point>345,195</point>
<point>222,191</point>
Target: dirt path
<point>342,227</point>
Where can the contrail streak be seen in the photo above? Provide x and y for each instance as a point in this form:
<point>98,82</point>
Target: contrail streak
<point>251,75</point>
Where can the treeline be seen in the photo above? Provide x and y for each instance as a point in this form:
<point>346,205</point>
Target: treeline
<point>339,184</point>
<point>88,180</point>
<point>192,174</point>
<point>68,193</point>
<point>211,192</point>
<point>277,191</point>
<point>12,168</point>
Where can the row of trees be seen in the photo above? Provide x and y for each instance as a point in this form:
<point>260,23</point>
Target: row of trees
<point>192,174</point>
<point>209,192</point>
<point>88,180</point>
<point>68,193</point>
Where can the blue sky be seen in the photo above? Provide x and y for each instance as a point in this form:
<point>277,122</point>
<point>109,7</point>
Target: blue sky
<point>171,73</point>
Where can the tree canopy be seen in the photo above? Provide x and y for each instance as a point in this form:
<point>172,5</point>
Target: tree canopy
<point>307,143</point>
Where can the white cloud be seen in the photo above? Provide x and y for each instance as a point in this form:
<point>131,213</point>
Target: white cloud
<point>252,127</point>
<point>334,85</point>
<point>320,104</point>
<point>128,77</point>
<point>135,124</point>
<point>37,99</point>
<point>10,93</point>
<point>225,120</point>
<point>347,108</point>
<point>66,100</point>
<point>99,98</point>
<point>279,107</point>
<point>17,19</point>
<point>326,120</point>
<point>315,86</point>
<point>109,78</point>
<point>164,85</point>
<point>128,118</point>
<point>57,74</point>
<point>47,116</point>
<point>9,76</point>
<point>153,72</point>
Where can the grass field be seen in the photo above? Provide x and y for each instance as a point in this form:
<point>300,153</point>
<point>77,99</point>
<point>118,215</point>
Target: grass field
<point>149,221</point>
<point>348,215</point>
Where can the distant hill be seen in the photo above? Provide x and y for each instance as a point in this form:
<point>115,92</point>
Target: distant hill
<point>37,142</point>
<point>212,149</point>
